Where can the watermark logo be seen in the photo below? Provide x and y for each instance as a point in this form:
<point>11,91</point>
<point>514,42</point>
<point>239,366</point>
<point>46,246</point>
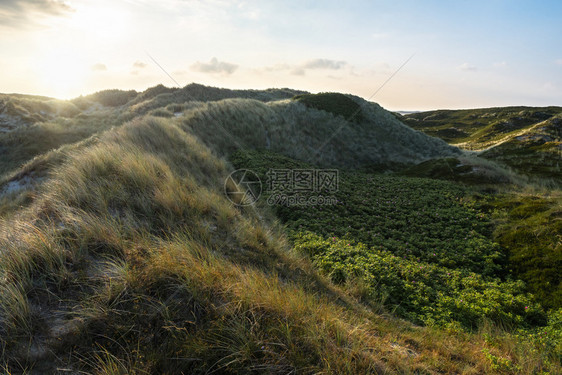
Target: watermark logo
<point>286,187</point>
<point>243,187</point>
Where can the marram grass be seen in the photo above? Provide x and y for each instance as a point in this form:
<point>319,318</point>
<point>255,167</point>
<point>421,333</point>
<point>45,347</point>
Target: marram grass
<point>130,259</point>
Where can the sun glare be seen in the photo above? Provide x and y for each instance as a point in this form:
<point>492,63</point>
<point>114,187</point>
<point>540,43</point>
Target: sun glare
<point>101,22</point>
<point>62,73</point>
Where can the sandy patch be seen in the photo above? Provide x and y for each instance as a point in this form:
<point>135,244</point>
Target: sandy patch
<point>24,183</point>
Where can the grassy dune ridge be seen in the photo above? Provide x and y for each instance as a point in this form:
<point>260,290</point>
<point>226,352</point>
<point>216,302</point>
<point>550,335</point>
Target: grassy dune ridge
<point>134,258</point>
<point>281,124</point>
<point>298,131</point>
<point>120,253</point>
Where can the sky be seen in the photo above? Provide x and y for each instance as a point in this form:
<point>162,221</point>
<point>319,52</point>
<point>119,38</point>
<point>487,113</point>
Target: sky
<point>402,54</point>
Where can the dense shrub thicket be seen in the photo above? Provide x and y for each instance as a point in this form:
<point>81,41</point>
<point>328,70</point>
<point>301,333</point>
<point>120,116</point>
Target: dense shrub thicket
<point>419,246</point>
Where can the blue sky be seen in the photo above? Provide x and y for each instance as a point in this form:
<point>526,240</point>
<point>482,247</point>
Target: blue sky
<point>466,53</point>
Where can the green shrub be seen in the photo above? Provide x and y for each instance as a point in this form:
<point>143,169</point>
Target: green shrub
<point>334,103</point>
<point>423,292</point>
<point>415,218</point>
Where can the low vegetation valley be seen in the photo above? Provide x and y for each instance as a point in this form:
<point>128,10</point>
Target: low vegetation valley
<point>436,250</point>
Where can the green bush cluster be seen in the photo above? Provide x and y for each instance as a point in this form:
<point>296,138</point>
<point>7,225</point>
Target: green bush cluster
<point>416,219</point>
<point>334,103</point>
<point>423,292</point>
<point>425,249</point>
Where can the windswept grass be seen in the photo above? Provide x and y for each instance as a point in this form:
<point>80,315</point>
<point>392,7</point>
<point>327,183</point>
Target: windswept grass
<point>125,256</point>
<point>131,260</point>
<point>24,143</point>
<point>27,109</point>
<point>227,121</point>
<point>109,98</point>
<point>466,169</point>
<point>295,130</point>
<point>160,96</point>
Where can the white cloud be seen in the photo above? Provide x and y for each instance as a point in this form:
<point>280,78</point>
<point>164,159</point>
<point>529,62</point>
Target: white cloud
<point>301,69</point>
<point>324,64</point>
<point>99,67</point>
<point>558,62</point>
<point>252,14</point>
<point>214,66</point>
<point>467,67</point>
<point>298,72</point>
<point>23,13</point>
<point>139,64</point>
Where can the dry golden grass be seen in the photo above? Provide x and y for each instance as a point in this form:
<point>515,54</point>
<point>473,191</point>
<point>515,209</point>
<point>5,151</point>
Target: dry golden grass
<point>131,260</point>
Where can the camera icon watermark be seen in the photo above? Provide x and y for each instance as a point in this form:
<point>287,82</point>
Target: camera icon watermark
<point>286,187</point>
<point>243,187</point>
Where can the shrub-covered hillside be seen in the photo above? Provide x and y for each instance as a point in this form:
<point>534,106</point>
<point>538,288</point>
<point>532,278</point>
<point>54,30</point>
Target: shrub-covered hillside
<point>434,252</point>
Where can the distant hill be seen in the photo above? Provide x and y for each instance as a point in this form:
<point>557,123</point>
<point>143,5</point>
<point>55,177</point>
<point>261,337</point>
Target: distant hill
<point>527,139</point>
<point>537,150</point>
<point>478,128</point>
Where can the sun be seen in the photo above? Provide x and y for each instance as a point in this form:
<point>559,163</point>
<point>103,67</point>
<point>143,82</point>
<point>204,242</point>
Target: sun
<point>61,72</point>
<point>63,63</point>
